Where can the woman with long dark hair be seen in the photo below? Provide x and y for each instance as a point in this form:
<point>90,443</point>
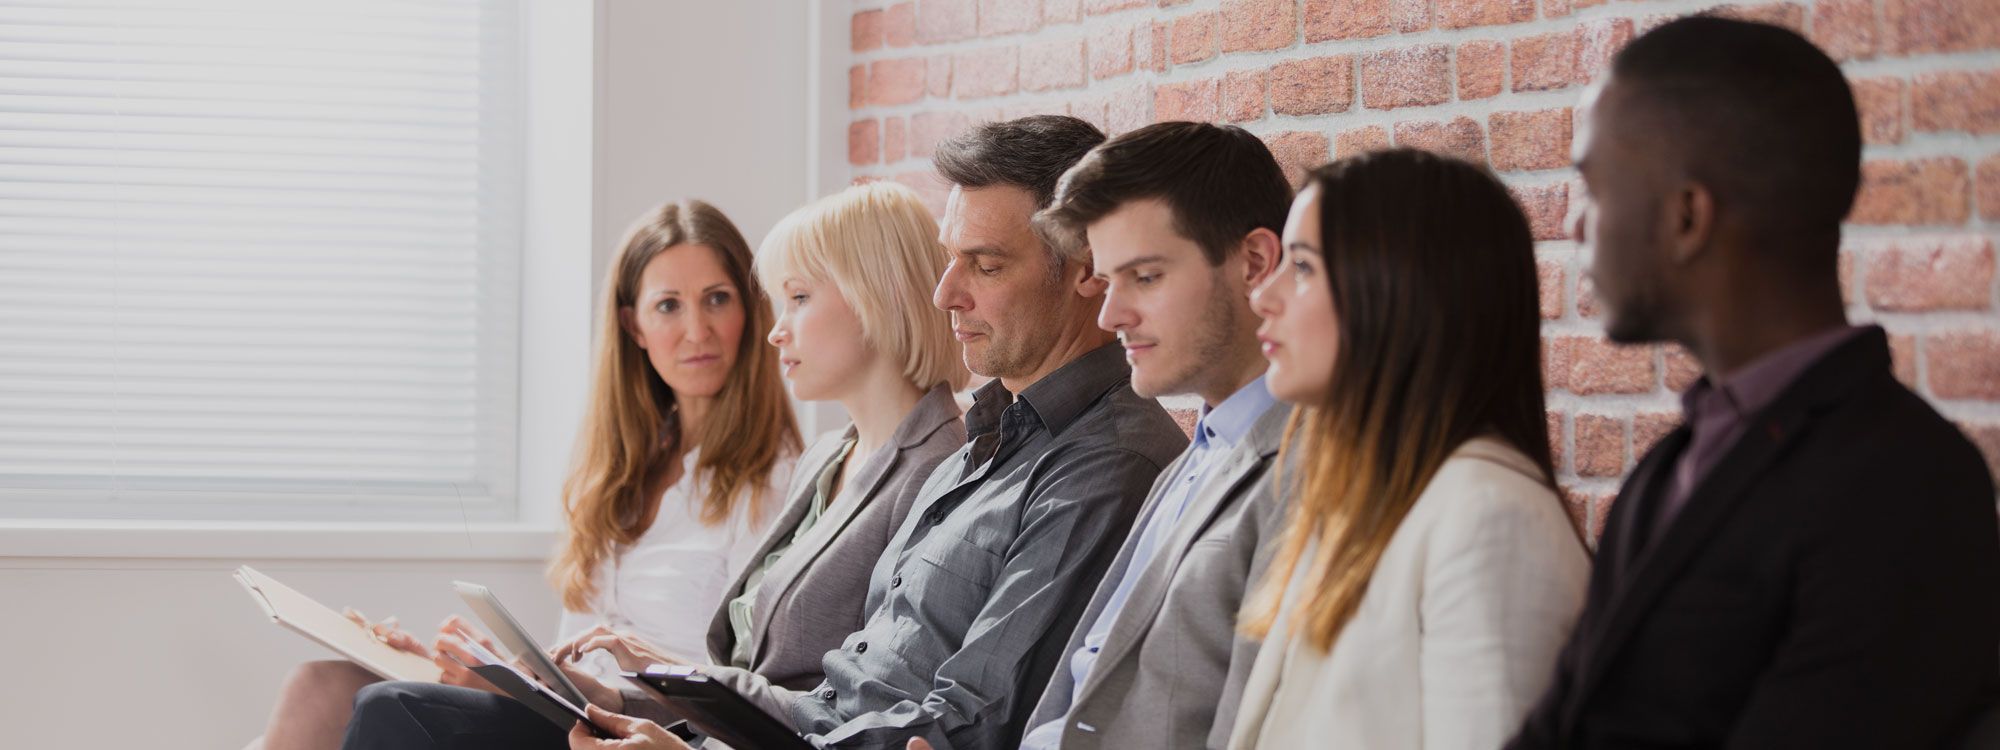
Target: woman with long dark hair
<point>1428,574</point>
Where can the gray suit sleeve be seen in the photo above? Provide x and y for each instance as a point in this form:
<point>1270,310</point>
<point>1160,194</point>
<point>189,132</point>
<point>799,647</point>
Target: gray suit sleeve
<point>1084,507</point>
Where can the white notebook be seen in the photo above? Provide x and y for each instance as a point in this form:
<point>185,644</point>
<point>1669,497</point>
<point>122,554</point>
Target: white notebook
<point>309,618</point>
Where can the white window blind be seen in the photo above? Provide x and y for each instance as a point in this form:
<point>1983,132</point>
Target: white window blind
<point>259,258</point>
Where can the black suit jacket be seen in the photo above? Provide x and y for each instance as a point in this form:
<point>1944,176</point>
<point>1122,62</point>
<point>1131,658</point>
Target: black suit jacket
<point>1834,582</point>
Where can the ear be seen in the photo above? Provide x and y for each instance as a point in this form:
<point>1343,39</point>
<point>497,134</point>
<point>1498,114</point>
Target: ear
<point>1691,222</point>
<point>629,322</point>
<point>1260,251</point>
<point>1087,284</point>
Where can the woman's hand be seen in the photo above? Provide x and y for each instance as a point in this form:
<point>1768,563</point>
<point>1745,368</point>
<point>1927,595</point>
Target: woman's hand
<point>387,632</point>
<point>451,640</point>
<point>595,692</point>
<point>632,653</point>
<point>627,734</point>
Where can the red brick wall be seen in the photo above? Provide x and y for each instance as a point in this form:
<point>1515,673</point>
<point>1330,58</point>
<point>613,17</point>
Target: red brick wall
<point>1494,81</point>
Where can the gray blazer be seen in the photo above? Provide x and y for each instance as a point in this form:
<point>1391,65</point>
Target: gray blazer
<point>812,598</point>
<point>1173,661</point>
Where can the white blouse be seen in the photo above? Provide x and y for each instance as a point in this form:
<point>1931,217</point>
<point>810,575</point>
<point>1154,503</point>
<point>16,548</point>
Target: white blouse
<point>666,586</point>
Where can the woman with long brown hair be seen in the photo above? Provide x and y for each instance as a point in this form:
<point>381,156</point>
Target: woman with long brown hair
<point>686,448</point>
<point>1428,573</point>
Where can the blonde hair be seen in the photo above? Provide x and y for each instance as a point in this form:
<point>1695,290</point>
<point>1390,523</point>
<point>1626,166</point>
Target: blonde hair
<point>878,245</point>
<point>632,419</point>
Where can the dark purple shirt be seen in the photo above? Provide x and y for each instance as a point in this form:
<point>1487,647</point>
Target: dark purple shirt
<point>1715,411</point>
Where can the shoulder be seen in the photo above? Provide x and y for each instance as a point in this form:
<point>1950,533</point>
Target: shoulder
<point>946,439</point>
<point>1926,443</point>
<point>1489,489</point>
<point>1125,422</point>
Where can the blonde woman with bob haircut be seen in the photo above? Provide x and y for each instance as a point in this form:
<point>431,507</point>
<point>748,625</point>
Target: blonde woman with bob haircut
<point>853,274</point>
<point>686,444</point>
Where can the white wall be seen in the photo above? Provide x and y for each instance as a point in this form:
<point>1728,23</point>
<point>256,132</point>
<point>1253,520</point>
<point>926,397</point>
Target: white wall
<point>702,100</point>
<point>170,654</point>
<point>138,637</point>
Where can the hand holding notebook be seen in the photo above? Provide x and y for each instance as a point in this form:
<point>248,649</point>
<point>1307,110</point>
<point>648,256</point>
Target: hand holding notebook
<point>522,686</point>
<point>320,624</point>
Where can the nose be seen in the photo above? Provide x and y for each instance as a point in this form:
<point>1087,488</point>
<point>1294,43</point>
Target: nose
<point>779,335</point>
<point>950,295</point>
<point>699,328</point>
<point>1116,315</point>
<point>1264,300</point>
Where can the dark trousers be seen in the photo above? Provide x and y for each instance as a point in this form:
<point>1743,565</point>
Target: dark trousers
<point>422,716</point>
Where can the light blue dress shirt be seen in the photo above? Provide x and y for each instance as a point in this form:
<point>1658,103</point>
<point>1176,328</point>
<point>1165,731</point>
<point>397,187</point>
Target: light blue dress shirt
<point>1218,430</point>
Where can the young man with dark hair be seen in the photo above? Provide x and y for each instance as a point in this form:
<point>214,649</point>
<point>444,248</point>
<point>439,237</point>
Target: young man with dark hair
<point>1812,560</point>
<point>1182,220</point>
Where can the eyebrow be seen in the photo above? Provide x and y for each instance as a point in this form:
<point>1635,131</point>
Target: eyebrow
<point>1139,261</point>
<point>1300,246</point>
<point>985,251</point>
<point>677,292</point>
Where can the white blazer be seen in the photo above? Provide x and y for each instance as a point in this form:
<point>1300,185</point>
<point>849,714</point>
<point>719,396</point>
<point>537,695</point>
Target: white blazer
<point>1457,635</point>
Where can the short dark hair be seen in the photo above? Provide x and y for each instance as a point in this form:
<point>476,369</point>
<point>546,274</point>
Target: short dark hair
<point>1029,153</point>
<point>1755,112</point>
<point>1220,181</point>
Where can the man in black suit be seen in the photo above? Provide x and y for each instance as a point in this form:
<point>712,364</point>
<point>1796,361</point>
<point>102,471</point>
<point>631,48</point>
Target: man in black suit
<point>1813,559</point>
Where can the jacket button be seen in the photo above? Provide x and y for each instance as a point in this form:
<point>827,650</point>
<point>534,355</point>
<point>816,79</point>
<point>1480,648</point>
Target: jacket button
<point>827,694</point>
<point>896,583</point>
<point>861,648</point>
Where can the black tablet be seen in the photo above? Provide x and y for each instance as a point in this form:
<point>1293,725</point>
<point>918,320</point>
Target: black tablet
<point>717,711</point>
<point>535,696</point>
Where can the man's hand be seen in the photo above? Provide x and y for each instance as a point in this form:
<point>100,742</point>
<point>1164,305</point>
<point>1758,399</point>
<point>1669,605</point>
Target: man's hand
<point>632,653</point>
<point>628,734</point>
<point>918,743</point>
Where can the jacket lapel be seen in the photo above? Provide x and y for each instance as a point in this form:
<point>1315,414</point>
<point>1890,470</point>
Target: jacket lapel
<point>721,633</point>
<point>858,490</point>
<point>1230,483</point>
<point>1653,567</point>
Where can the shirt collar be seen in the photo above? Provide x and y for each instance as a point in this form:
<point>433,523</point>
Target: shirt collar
<point>1058,398</point>
<point>1761,382</point>
<point>1229,421</point>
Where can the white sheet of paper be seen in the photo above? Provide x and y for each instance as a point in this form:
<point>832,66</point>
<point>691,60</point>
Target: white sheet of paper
<point>485,656</point>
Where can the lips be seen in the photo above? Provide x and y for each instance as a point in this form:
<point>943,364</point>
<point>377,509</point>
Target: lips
<point>966,334</point>
<point>1268,345</point>
<point>701,360</point>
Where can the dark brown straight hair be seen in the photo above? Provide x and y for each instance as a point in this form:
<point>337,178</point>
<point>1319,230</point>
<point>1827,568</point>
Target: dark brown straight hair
<point>1432,273</point>
<point>1219,181</point>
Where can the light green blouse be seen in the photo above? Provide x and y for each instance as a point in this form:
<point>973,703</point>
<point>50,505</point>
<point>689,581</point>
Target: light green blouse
<point>742,607</point>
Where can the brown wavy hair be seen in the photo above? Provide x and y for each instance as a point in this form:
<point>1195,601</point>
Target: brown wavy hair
<point>1432,270</point>
<point>631,421</point>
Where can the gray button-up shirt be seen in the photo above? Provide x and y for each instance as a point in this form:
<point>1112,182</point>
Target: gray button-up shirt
<point>975,597</point>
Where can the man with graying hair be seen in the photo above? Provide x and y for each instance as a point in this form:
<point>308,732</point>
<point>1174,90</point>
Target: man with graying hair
<point>972,602</point>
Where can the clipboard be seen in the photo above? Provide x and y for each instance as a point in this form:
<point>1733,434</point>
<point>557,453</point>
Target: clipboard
<point>717,710</point>
<point>524,688</point>
<point>303,615</point>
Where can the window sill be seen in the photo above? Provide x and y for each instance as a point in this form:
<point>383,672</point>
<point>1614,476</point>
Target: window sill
<point>190,540</point>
